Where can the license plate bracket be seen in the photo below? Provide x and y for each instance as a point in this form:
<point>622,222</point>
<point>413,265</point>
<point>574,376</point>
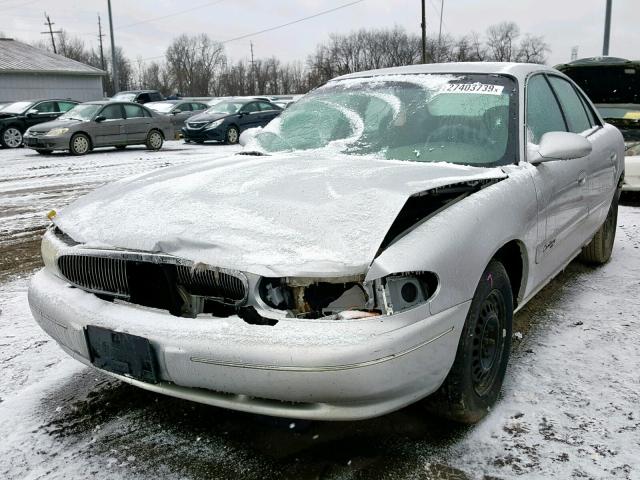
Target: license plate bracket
<point>122,353</point>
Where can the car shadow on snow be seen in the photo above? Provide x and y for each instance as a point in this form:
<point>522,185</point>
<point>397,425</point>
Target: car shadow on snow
<point>103,418</point>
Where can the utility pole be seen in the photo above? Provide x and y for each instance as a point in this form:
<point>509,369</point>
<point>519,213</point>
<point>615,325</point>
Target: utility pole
<point>574,53</point>
<point>424,34</point>
<point>50,32</point>
<point>100,35</point>
<point>114,66</point>
<point>607,30</point>
<point>440,31</point>
<point>253,71</point>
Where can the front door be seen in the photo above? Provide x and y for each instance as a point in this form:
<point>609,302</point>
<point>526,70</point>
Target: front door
<point>42,112</point>
<point>110,131</point>
<point>561,185</point>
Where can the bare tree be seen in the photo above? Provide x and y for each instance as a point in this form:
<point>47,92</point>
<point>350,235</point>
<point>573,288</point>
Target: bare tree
<point>532,49</point>
<point>501,41</point>
<point>192,63</point>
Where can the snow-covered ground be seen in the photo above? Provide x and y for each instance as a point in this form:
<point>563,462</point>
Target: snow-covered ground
<point>570,406</point>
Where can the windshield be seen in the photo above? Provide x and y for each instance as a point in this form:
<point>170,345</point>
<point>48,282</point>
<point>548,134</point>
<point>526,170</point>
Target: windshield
<point>611,84</point>
<point>124,97</point>
<point>424,118</point>
<point>17,107</point>
<point>161,107</point>
<point>226,107</point>
<point>81,112</point>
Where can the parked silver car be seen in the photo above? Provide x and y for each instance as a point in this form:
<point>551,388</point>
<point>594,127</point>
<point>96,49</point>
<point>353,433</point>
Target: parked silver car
<point>177,110</point>
<point>100,124</point>
<point>367,249</point>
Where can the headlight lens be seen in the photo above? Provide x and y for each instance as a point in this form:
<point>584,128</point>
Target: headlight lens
<point>56,132</point>
<point>215,124</point>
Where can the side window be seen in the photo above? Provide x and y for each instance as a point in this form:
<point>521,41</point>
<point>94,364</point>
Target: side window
<point>571,105</point>
<point>543,112</point>
<point>112,112</point>
<point>593,120</point>
<point>46,107</point>
<point>185,107</point>
<point>133,111</point>
<point>264,106</point>
<point>198,106</point>
<point>65,106</point>
<point>250,107</point>
<point>155,97</point>
<point>143,98</point>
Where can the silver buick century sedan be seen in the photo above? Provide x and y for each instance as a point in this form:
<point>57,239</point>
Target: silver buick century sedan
<point>100,124</point>
<point>366,250</point>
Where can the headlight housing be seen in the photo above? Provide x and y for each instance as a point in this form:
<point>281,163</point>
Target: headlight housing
<point>49,248</point>
<point>215,124</point>
<point>348,298</point>
<point>56,132</point>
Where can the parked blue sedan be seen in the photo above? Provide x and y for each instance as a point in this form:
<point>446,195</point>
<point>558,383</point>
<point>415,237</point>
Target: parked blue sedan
<point>225,121</point>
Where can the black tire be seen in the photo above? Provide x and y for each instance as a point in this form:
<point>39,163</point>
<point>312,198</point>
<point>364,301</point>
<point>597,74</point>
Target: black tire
<point>43,151</point>
<point>232,136</point>
<point>599,249</point>
<point>120,147</point>
<point>475,379</point>
<point>80,144</point>
<point>154,140</point>
<point>11,137</point>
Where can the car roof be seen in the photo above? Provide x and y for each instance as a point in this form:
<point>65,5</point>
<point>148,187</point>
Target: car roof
<point>34,100</point>
<point>517,70</point>
<point>136,91</point>
<point>172,101</point>
<point>111,102</point>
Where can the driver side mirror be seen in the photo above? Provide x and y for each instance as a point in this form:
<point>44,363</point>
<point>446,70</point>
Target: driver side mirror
<point>561,146</point>
<point>100,118</point>
<point>32,113</point>
<point>177,111</point>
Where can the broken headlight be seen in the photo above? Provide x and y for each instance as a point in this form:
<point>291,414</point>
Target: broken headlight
<point>352,297</point>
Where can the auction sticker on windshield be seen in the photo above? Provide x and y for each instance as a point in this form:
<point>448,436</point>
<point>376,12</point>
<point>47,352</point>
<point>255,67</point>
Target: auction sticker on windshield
<point>477,87</point>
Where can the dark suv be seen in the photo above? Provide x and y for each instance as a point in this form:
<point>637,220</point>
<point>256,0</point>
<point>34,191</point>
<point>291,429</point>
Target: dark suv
<point>613,85</point>
<point>16,117</point>
<point>138,96</point>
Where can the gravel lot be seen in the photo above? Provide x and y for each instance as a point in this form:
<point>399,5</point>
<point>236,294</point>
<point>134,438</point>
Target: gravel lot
<point>570,406</point>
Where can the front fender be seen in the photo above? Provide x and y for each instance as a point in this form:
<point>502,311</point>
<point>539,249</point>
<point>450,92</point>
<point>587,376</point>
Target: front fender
<point>458,242</point>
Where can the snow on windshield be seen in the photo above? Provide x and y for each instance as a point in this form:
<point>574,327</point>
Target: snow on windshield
<point>427,118</point>
<point>160,106</point>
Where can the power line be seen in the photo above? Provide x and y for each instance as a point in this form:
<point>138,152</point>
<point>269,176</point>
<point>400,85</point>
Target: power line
<point>170,14</point>
<point>293,22</point>
<point>259,32</point>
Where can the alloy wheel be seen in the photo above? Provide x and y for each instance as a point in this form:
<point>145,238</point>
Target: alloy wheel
<point>12,137</point>
<point>80,144</point>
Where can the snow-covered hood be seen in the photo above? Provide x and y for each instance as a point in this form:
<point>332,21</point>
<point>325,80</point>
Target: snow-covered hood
<point>283,215</point>
<point>209,117</point>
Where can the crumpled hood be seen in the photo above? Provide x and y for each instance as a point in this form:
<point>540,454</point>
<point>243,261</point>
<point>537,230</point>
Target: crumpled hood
<point>310,214</point>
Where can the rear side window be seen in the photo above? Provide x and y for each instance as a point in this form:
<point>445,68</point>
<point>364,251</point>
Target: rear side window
<point>65,106</point>
<point>264,106</point>
<point>571,105</point>
<point>133,111</point>
<point>155,97</point>
<point>112,112</point>
<point>543,112</point>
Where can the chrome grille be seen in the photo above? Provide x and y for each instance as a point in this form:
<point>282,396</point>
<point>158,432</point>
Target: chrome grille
<point>211,283</point>
<point>196,124</point>
<point>97,274</point>
<point>110,275</point>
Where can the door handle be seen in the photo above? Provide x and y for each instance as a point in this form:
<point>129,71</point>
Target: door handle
<point>582,179</point>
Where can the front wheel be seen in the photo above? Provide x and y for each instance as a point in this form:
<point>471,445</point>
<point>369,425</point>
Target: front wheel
<point>475,379</point>
<point>599,249</point>
<point>11,137</point>
<point>232,135</point>
<point>154,140</point>
<point>79,144</point>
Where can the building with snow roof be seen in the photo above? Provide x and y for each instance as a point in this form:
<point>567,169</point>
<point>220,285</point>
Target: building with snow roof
<point>27,72</point>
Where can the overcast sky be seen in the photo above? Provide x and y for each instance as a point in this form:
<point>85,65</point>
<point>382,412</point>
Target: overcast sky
<point>137,28</point>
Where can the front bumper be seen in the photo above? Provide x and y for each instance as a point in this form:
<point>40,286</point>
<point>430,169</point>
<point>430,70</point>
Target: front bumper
<point>311,369</point>
<point>42,142</point>
<point>631,174</point>
<point>202,134</point>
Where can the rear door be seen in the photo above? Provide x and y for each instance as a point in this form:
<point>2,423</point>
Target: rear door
<point>111,130</point>
<point>268,112</point>
<point>560,185</point>
<point>136,124</point>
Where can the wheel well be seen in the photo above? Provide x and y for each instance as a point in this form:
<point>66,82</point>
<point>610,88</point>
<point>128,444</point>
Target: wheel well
<point>85,134</point>
<point>157,130</point>
<point>512,256</point>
